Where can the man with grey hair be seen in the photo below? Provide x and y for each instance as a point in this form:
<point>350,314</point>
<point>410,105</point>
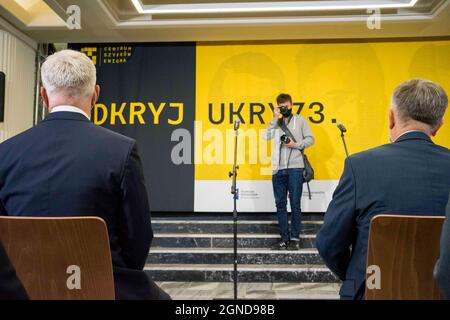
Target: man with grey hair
<point>67,166</point>
<point>410,175</point>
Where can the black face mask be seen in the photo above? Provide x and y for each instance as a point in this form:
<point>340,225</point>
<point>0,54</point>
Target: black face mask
<point>285,112</point>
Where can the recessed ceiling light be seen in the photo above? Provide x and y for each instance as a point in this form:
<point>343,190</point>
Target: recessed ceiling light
<point>245,7</point>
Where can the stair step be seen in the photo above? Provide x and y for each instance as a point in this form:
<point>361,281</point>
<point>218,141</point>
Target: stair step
<point>250,290</point>
<point>224,240</point>
<point>208,226</point>
<point>225,255</point>
<point>229,216</point>
<point>191,248</point>
<point>246,273</point>
<point>246,222</point>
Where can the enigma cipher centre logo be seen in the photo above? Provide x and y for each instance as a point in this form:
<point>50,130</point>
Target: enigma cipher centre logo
<point>109,54</point>
<point>91,52</point>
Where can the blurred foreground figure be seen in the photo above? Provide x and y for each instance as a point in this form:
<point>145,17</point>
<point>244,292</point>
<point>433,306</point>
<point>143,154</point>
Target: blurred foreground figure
<point>442,271</point>
<point>10,286</point>
<point>67,166</point>
<point>411,175</point>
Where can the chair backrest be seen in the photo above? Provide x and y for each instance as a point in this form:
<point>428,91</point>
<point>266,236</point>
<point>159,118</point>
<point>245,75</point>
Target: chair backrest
<point>405,249</point>
<point>60,258</point>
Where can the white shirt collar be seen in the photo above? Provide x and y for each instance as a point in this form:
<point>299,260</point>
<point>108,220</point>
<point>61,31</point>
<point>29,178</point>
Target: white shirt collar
<point>69,109</point>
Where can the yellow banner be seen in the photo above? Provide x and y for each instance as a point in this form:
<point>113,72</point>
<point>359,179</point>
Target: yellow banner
<point>349,83</point>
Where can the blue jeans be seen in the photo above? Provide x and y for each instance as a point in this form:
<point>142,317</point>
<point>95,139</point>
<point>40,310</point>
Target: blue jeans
<point>284,181</point>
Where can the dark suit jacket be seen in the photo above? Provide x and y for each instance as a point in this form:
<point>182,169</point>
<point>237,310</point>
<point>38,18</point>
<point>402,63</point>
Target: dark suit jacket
<point>443,265</point>
<point>67,166</point>
<point>10,286</point>
<point>410,176</point>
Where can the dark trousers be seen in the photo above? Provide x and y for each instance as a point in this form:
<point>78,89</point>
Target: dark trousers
<point>157,292</point>
<point>288,181</point>
<point>131,284</point>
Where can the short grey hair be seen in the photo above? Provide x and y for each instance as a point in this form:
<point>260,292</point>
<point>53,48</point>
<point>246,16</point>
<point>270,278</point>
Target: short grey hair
<point>69,71</point>
<point>421,100</point>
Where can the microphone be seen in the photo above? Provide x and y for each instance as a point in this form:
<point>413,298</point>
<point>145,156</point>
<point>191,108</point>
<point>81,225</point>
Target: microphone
<point>341,127</point>
<point>236,124</point>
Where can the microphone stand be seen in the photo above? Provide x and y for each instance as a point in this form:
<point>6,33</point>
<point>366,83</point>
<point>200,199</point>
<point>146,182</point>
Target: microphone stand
<point>343,140</point>
<point>235,217</point>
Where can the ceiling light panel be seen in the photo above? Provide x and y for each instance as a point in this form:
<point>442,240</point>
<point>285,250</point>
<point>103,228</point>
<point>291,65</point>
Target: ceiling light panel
<point>285,6</point>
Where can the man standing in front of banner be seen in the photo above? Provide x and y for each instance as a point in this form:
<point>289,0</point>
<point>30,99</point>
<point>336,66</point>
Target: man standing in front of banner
<point>291,134</point>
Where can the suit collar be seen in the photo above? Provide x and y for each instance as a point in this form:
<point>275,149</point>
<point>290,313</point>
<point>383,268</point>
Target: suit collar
<point>66,115</point>
<point>414,135</point>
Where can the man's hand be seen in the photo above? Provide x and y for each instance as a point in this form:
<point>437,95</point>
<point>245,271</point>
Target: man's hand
<point>292,144</point>
<point>276,112</point>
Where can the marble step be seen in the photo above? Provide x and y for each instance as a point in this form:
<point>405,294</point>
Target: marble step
<point>225,255</point>
<point>246,273</point>
<point>223,240</point>
<point>229,216</point>
<point>250,290</point>
<point>226,226</point>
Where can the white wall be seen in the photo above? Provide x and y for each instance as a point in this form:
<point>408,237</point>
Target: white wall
<point>17,61</point>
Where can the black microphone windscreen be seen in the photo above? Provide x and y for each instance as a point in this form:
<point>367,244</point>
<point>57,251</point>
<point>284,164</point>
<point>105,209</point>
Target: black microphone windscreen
<point>236,124</point>
<point>341,127</point>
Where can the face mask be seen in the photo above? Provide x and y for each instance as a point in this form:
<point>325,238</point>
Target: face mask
<point>285,112</point>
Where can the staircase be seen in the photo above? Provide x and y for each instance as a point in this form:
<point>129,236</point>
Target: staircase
<point>192,258</point>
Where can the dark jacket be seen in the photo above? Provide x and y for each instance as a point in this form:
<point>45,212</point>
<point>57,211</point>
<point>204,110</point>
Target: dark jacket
<point>443,265</point>
<point>10,286</point>
<point>410,176</point>
<point>67,166</point>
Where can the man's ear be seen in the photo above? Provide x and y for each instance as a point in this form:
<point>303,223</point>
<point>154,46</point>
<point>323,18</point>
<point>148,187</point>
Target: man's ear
<point>438,126</point>
<point>44,97</point>
<point>95,95</point>
<point>391,119</point>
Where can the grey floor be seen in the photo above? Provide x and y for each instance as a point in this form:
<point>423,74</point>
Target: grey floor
<point>223,290</point>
